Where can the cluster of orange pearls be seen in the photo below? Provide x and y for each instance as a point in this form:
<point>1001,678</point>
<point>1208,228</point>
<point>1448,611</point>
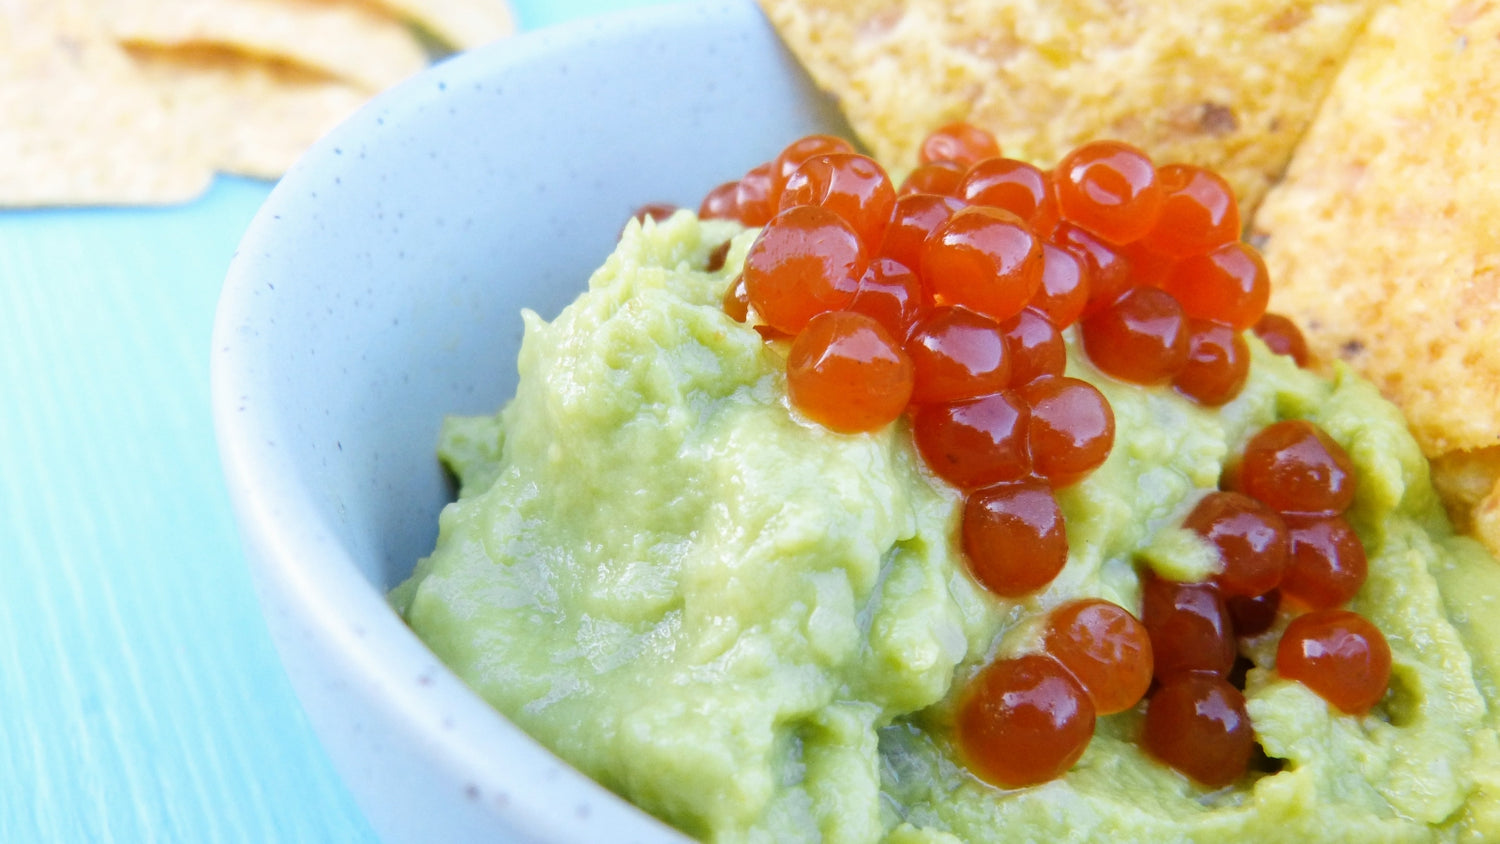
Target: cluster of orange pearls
<point>945,298</point>
<point>1279,532</point>
<point>946,307</point>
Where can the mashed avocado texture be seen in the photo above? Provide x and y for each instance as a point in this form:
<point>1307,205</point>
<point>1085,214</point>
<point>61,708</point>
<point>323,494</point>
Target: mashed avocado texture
<point>754,627</point>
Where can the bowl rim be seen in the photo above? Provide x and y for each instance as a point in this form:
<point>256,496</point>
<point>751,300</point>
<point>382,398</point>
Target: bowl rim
<point>303,575</point>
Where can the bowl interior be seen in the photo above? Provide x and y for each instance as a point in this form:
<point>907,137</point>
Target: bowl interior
<point>386,283</point>
<point>380,289</point>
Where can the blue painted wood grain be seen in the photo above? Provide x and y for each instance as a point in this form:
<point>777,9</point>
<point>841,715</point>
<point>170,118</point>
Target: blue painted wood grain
<point>141,699</point>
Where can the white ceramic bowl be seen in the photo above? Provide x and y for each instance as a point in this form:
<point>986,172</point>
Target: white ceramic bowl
<point>378,289</point>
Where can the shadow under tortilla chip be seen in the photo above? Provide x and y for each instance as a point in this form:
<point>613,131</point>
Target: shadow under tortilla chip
<point>1383,242</point>
<point>253,118</point>
<point>347,39</point>
<point>460,23</point>
<point>1227,84</point>
<point>64,87</point>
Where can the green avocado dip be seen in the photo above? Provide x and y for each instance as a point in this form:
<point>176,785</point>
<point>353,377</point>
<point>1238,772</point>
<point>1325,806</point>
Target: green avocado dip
<point>755,628</point>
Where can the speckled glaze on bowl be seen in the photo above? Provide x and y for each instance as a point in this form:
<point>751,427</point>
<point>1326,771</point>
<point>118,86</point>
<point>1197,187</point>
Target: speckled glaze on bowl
<point>378,289</point>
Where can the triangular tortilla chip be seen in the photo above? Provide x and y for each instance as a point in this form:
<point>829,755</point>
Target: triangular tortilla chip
<point>78,124</point>
<point>1383,241</point>
<point>347,39</point>
<point>1228,84</point>
<point>253,118</point>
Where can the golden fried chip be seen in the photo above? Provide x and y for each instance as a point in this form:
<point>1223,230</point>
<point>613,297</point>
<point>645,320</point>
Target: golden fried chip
<point>253,118</point>
<point>347,39</point>
<point>1229,84</point>
<point>78,125</point>
<point>460,23</point>
<point>1469,482</point>
<point>1383,242</point>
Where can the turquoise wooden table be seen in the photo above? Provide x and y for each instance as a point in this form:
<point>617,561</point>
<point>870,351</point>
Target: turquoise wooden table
<point>140,696</point>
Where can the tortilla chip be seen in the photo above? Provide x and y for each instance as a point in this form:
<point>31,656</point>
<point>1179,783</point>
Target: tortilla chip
<point>343,38</point>
<point>78,125</point>
<point>1383,241</point>
<point>1228,84</point>
<point>1469,482</point>
<point>462,24</point>
<point>252,118</point>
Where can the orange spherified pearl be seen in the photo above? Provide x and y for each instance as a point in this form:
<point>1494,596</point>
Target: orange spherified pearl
<point>1217,366</point>
<point>1023,721</point>
<point>800,150</point>
<point>736,300</point>
<point>1036,347</point>
<point>1199,725</point>
<point>845,372</point>
<point>1338,654</point>
<point>1109,188</point>
<point>720,203</point>
<point>1328,563</point>
<point>944,178</point>
<point>1283,337</point>
<point>755,196</point>
<point>804,262</point>
<point>890,292</point>
<point>1249,538</point>
<point>1014,538</point>
<point>1228,285</point>
<point>717,257</point>
<point>960,142</point>
<point>1109,270</point>
<point>958,354</point>
<point>850,185</point>
<point>1105,648</point>
<point>984,259</point>
<point>1198,212</point>
<point>1009,185</point>
<point>1293,466</point>
<point>914,218</point>
<point>1070,429</point>
<point>1065,286</point>
<point>974,442</point>
<point>1141,338</point>
<point>1189,628</point>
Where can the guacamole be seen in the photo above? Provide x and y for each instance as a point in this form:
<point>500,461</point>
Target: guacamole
<point>754,627</point>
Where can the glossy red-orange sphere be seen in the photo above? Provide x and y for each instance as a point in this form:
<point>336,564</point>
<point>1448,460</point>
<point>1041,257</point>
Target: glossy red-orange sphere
<point>1293,466</point>
<point>1283,337</point>
<point>958,354</point>
<point>964,143</point>
<point>1198,724</point>
<point>1071,428</point>
<point>984,259</point>
<point>804,262</point>
<point>1189,628</point>
<point>1217,365</point>
<point>1142,337</point>
<point>1109,188</point>
<point>1198,212</point>
<point>847,373</point>
<point>850,185</point>
<point>1327,564</point>
<point>974,442</point>
<point>1338,654</point>
<point>1014,538</point>
<point>1228,285</point>
<point>1023,721</point>
<point>1106,649</point>
<point>1249,538</point>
